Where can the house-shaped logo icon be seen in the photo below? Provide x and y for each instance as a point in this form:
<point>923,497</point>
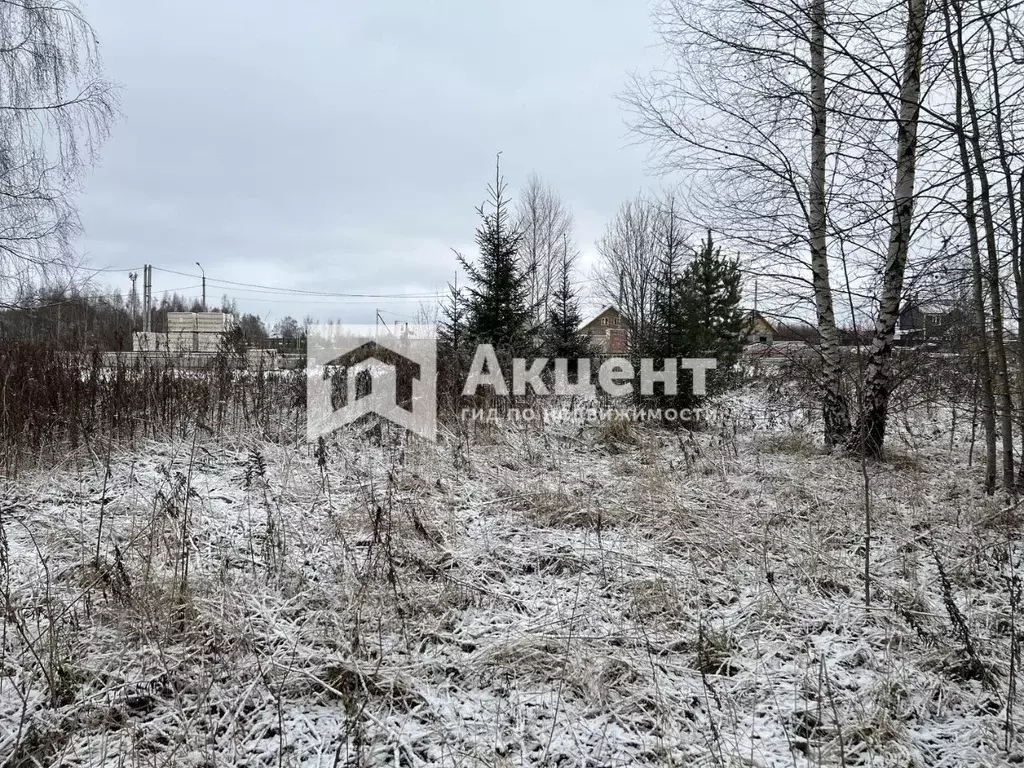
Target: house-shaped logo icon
<point>353,371</point>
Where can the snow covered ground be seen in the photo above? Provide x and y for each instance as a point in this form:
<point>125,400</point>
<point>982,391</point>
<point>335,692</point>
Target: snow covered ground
<point>521,595</point>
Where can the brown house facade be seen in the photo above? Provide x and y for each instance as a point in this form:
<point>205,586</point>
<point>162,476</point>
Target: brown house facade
<point>608,332</point>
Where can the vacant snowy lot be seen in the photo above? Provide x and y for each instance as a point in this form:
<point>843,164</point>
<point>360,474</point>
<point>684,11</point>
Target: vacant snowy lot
<point>514,595</point>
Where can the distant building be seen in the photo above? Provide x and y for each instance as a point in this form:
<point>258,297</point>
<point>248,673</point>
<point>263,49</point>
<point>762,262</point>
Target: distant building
<point>187,332</point>
<point>925,321</point>
<point>759,329</point>
<point>609,331</point>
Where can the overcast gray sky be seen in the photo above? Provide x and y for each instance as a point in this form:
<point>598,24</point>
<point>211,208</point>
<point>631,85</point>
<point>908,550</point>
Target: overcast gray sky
<point>343,145</point>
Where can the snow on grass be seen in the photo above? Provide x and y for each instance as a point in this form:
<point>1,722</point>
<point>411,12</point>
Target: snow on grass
<point>515,595</point>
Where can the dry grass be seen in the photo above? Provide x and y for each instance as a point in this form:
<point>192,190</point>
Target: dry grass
<point>793,443</point>
<point>537,600</point>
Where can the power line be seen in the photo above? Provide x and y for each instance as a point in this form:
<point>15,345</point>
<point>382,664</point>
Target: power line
<point>395,314</point>
<point>175,290</point>
<point>301,292</point>
<point>328,300</point>
<point>236,287</point>
<point>111,269</point>
<point>323,294</point>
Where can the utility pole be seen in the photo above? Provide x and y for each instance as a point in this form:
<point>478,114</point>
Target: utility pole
<point>204,284</point>
<point>145,298</point>
<point>135,297</point>
<point>147,288</point>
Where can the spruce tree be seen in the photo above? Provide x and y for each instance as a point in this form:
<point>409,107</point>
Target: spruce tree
<point>714,322</point>
<point>563,337</point>
<point>498,310</point>
<point>696,314</point>
<point>451,330</point>
<point>452,353</point>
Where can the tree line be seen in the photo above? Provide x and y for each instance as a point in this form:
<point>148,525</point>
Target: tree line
<point>522,297</point>
<point>73,318</point>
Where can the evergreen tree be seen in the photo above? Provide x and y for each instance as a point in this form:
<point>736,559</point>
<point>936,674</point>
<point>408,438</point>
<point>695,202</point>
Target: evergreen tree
<point>563,336</point>
<point>714,323</point>
<point>452,349</point>
<point>451,330</point>
<point>498,310</point>
<point>696,314</point>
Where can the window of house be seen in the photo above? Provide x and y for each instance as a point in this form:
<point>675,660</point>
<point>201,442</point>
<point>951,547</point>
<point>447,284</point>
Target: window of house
<point>604,321</point>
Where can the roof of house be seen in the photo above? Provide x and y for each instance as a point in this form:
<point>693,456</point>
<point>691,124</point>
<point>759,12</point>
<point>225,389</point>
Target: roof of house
<point>753,314</point>
<point>587,322</point>
<point>930,307</point>
<point>934,309</point>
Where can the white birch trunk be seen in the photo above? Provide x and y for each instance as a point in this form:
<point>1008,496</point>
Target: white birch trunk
<point>835,407</point>
<point>870,434</point>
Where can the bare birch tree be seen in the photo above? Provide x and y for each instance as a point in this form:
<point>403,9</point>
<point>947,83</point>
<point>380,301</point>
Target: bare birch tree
<point>1007,97</point>
<point>546,224</point>
<point>750,78</point>
<point>835,409</point>
<point>984,44</point>
<point>55,110</point>
<point>878,382</point>
<point>783,114</point>
<point>995,297</point>
<point>629,261</point>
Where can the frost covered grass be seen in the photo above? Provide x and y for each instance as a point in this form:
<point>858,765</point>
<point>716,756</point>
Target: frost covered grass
<point>514,595</point>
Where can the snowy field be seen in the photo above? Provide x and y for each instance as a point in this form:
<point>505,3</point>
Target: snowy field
<point>521,595</point>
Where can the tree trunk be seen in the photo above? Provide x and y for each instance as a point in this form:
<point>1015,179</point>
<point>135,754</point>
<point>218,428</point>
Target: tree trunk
<point>878,376</point>
<point>954,40</point>
<point>1001,373</point>
<point>1018,262</point>
<point>1005,159</point>
<point>836,410</point>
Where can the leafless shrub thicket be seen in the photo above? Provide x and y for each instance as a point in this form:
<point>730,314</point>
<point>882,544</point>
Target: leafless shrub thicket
<point>55,402</point>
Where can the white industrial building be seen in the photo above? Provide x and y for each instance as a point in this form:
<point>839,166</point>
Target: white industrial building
<point>187,333</point>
